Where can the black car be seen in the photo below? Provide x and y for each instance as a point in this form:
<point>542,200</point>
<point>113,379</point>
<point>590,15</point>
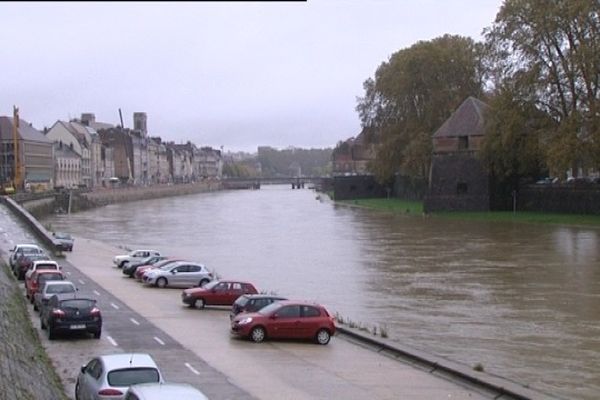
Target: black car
<point>252,303</point>
<point>71,315</point>
<point>130,267</point>
<point>65,241</point>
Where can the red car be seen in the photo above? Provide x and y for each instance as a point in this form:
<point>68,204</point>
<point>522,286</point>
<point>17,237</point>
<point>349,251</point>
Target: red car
<point>37,278</point>
<point>217,293</point>
<point>139,272</point>
<point>286,319</point>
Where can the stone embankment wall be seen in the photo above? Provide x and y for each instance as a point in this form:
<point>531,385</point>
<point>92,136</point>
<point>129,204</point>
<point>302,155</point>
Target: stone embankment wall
<point>25,370</point>
<point>108,196</point>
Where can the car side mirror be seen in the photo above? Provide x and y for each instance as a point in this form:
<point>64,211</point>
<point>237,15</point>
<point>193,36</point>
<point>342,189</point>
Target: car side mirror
<point>173,272</point>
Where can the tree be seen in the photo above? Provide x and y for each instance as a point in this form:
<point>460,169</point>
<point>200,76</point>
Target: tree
<point>412,95</point>
<point>550,52</point>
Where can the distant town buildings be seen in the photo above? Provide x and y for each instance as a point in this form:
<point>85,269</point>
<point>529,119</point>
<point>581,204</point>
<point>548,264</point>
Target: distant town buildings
<point>87,153</point>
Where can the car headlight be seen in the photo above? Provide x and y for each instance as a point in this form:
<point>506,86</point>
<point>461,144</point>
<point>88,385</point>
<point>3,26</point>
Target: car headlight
<point>245,321</point>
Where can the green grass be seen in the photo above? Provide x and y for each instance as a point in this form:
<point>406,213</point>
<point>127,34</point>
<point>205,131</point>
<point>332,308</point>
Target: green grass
<point>399,206</point>
<point>393,205</point>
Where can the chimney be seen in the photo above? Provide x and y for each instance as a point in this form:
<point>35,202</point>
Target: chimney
<point>87,118</point>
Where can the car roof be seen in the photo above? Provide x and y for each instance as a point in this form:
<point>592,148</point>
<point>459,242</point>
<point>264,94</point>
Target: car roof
<point>127,360</point>
<point>234,281</point>
<point>27,245</point>
<point>51,283</point>
<point>263,296</point>
<point>157,391</point>
<point>300,303</point>
<point>41,271</point>
<point>36,262</point>
<point>180,262</point>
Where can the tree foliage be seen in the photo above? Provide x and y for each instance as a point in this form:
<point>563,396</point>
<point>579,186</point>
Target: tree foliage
<point>274,162</point>
<point>412,94</point>
<point>548,53</point>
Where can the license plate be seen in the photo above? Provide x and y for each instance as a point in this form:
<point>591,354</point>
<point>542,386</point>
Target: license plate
<point>77,326</point>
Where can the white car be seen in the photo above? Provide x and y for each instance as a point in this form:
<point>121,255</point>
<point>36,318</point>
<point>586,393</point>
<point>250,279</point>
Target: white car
<point>121,260</point>
<point>109,376</point>
<point>178,274</point>
<point>41,264</point>
<point>61,289</point>
<point>21,249</point>
<point>161,391</point>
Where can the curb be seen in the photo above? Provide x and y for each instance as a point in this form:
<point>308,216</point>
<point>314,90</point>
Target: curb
<point>496,386</point>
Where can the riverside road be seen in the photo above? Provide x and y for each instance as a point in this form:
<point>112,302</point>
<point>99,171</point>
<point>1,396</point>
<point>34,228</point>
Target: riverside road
<point>194,346</point>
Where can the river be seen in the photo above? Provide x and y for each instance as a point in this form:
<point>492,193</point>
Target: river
<point>522,300</point>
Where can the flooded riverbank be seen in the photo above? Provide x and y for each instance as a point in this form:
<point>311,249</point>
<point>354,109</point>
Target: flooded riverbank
<point>520,299</point>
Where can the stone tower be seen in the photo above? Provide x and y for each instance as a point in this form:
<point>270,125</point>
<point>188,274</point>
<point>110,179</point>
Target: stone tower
<point>140,120</point>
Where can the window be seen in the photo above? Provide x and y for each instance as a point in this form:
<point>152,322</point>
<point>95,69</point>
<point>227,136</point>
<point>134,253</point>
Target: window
<point>94,368</point>
<point>461,188</point>
<point>289,312</point>
<point>308,311</point>
<point>132,376</point>
<point>463,142</point>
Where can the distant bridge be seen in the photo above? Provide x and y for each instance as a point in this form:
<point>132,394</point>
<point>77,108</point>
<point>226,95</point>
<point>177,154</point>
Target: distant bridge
<point>296,182</point>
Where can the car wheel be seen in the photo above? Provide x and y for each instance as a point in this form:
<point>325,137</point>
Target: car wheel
<point>35,307</point>
<point>51,334</point>
<point>203,282</point>
<point>257,334</point>
<point>323,336</point>
<point>97,334</point>
<point>123,264</point>
<point>200,303</point>
<point>42,324</point>
<point>161,282</point>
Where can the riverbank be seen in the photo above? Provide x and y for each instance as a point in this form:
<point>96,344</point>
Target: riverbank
<point>398,206</point>
<point>26,372</point>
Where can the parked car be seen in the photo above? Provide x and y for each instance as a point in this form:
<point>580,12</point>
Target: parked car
<point>121,260</point>
<point>286,319</point>
<point>62,289</point>
<point>139,272</point>
<point>217,293</point>
<point>38,278</point>
<point>160,391</point>
<point>129,268</point>
<point>252,303</point>
<point>25,262</point>
<point>179,274</point>
<point>41,264</point>
<point>109,376</point>
<point>65,240</point>
<point>70,315</point>
<point>21,249</point>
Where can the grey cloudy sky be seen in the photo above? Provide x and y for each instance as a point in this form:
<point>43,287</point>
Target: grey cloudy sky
<point>236,74</point>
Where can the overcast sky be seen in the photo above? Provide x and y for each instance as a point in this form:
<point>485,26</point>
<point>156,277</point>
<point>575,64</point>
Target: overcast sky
<point>238,75</point>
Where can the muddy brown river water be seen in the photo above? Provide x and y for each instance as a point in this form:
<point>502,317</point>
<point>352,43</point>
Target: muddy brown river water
<point>522,300</point>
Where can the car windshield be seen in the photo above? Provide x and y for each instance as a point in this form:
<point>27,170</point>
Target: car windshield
<point>46,266</point>
<point>30,250</point>
<point>132,376</point>
<point>50,277</point>
<point>60,289</point>
<point>63,236</point>
<point>241,301</point>
<point>163,263</point>
<point>211,285</point>
<point>78,303</point>
<point>270,308</point>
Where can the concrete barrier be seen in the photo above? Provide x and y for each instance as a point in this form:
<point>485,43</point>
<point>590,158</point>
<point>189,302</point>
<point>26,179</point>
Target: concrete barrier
<point>37,228</point>
<point>498,387</point>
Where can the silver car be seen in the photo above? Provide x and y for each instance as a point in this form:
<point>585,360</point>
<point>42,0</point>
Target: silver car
<point>109,376</point>
<point>162,391</point>
<point>179,274</point>
<point>62,289</point>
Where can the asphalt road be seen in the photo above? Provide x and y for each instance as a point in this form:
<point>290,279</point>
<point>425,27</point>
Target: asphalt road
<point>194,346</point>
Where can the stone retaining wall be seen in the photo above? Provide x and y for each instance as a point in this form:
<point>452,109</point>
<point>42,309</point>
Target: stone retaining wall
<point>25,370</point>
